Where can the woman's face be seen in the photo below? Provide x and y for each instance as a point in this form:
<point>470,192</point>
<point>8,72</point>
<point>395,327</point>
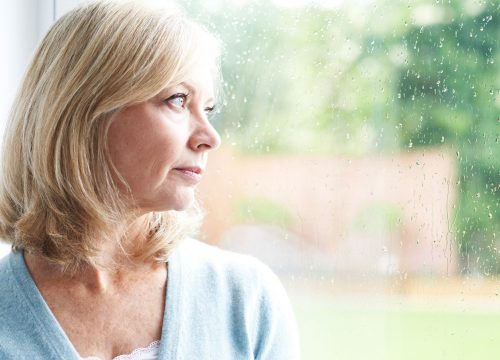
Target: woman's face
<point>160,146</point>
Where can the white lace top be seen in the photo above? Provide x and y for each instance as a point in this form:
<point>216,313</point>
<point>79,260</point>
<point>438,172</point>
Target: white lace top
<point>147,353</point>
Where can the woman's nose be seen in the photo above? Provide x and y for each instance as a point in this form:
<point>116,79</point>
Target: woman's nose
<point>204,136</point>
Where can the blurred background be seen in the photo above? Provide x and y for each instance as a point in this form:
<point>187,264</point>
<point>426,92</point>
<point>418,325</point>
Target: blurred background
<point>360,160</point>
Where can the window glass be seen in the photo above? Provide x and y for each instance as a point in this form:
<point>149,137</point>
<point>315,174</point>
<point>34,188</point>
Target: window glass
<point>360,160</point>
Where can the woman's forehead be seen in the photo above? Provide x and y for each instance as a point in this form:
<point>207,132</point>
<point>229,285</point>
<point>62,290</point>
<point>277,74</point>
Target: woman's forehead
<point>199,80</point>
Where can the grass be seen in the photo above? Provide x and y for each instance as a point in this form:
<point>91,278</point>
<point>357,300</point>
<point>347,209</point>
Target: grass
<point>363,329</point>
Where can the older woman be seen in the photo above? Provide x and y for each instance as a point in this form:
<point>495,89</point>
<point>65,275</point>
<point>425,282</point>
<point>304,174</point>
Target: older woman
<point>107,139</point>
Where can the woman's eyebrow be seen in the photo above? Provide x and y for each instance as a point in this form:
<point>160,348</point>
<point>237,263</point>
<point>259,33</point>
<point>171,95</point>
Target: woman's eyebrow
<point>188,86</point>
<point>192,89</point>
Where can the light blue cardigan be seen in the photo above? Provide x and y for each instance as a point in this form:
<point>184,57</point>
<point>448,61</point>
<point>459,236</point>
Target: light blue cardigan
<point>219,306</point>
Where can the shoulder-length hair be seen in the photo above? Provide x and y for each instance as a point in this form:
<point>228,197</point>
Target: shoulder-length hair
<point>57,194</point>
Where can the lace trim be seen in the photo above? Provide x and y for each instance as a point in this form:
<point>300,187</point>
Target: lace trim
<point>149,350</point>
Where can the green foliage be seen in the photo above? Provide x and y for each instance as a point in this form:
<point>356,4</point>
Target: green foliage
<point>378,217</point>
<point>448,93</point>
<point>389,76</point>
<point>262,211</point>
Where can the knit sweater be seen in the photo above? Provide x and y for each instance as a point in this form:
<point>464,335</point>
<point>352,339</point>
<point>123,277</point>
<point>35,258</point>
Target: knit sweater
<point>219,305</point>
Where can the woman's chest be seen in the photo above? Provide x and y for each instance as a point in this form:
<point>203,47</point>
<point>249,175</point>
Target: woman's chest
<point>111,324</point>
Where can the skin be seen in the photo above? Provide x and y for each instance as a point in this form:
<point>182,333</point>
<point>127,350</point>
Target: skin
<point>172,133</point>
<point>151,145</point>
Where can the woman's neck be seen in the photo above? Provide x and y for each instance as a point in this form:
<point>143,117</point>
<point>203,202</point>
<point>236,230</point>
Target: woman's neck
<point>114,270</point>
<point>93,279</point>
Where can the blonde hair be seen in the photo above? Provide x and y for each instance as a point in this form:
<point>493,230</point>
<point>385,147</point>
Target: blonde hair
<point>57,195</point>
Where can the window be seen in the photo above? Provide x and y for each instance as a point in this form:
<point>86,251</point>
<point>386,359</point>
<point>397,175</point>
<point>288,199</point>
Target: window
<point>360,161</point>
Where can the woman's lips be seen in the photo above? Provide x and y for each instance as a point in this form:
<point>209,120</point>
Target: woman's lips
<point>193,174</point>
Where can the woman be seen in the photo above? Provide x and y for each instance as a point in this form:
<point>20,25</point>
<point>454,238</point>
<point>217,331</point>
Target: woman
<point>107,139</point>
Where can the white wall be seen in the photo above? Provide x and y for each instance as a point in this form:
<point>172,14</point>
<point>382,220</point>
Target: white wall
<point>63,6</point>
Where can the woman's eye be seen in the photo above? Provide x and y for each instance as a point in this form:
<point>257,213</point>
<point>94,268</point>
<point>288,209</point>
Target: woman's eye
<point>209,110</point>
<point>177,100</point>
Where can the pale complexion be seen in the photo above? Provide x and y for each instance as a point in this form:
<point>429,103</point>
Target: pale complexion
<point>160,148</point>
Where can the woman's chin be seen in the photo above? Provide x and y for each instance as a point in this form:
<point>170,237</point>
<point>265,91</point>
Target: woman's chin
<point>181,202</point>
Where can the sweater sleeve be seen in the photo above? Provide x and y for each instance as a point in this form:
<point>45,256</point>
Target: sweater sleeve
<point>276,332</point>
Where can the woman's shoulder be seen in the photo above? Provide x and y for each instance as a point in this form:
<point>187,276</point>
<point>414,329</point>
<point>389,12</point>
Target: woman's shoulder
<point>6,273</point>
<point>11,287</point>
<point>14,313</point>
<point>227,278</point>
<point>219,264</point>
<point>243,293</point>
